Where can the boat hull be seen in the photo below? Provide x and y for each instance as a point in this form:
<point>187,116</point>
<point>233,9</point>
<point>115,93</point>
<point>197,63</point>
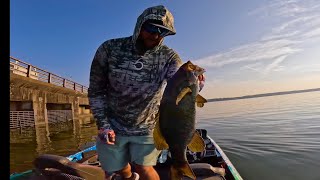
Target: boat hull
<point>210,164</point>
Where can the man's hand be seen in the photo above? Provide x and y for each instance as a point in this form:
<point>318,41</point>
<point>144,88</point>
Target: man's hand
<point>107,135</point>
<point>202,79</point>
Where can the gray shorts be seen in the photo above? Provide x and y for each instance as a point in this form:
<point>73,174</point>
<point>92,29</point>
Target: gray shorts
<point>137,149</point>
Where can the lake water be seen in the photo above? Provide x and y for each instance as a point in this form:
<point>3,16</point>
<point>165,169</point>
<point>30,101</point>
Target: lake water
<point>265,138</point>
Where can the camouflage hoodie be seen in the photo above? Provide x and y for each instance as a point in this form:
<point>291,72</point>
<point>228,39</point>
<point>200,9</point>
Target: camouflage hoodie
<point>126,88</point>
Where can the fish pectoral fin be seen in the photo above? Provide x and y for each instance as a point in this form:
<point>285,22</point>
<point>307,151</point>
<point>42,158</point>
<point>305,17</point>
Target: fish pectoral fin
<point>197,143</point>
<point>183,92</point>
<point>177,172</point>
<point>200,105</point>
<point>200,100</point>
<point>159,141</point>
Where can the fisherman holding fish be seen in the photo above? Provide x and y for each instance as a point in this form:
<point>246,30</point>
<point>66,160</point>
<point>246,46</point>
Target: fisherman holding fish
<point>127,80</point>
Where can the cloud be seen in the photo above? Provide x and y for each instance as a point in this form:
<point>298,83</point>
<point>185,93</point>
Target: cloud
<point>312,34</point>
<point>256,51</point>
<point>306,68</point>
<point>275,65</point>
<point>283,8</point>
<point>296,22</point>
<point>253,67</point>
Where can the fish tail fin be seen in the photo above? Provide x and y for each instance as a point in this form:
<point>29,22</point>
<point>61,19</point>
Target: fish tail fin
<point>177,172</point>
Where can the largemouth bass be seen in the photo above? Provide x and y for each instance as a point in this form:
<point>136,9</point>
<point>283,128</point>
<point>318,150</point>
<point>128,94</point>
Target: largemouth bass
<point>175,127</point>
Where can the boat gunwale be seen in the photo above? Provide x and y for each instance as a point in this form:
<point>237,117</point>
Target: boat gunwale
<point>230,166</point>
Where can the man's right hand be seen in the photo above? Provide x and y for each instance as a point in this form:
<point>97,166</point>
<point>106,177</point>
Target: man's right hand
<point>107,135</point>
<point>201,79</point>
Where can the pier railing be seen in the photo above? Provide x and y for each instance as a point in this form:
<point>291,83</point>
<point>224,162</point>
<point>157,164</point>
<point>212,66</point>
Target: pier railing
<point>24,69</point>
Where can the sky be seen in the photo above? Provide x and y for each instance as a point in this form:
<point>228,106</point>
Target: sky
<point>247,47</point>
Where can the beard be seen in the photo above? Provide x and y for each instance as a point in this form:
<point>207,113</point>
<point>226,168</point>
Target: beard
<point>146,44</point>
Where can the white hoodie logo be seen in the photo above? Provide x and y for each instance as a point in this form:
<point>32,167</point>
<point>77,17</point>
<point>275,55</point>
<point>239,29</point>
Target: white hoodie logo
<point>138,65</point>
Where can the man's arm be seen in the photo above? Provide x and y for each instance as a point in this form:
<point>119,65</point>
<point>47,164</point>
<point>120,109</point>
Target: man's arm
<point>97,91</point>
<point>174,65</point>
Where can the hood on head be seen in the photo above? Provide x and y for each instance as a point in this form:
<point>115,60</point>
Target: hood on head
<point>156,13</point>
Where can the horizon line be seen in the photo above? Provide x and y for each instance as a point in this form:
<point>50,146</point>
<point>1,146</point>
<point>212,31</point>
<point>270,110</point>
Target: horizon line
<point>263,95</point>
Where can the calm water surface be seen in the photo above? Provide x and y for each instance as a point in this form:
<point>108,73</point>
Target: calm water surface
<point>268,138</point>
<point>265,138</point>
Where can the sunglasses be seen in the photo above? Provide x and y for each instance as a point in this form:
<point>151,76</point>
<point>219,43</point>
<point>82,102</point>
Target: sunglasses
<point>150,28</point>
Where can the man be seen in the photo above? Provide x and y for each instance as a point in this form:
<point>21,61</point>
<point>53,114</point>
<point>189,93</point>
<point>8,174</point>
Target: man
<point>127,79</point>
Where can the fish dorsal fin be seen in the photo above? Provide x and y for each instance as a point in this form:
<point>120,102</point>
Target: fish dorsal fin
<point>197,143</point>
<point>183,92</point>
<point>159,141</point>
<point>200,100</point>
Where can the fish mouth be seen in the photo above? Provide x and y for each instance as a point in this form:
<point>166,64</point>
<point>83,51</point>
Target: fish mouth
<point>199,72</point>
<point>202,71</point>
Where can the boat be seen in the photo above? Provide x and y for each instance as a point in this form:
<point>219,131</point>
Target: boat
<point>211,164</point>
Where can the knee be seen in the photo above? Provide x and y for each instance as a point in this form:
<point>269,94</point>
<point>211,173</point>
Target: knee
<point>142,169</point>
